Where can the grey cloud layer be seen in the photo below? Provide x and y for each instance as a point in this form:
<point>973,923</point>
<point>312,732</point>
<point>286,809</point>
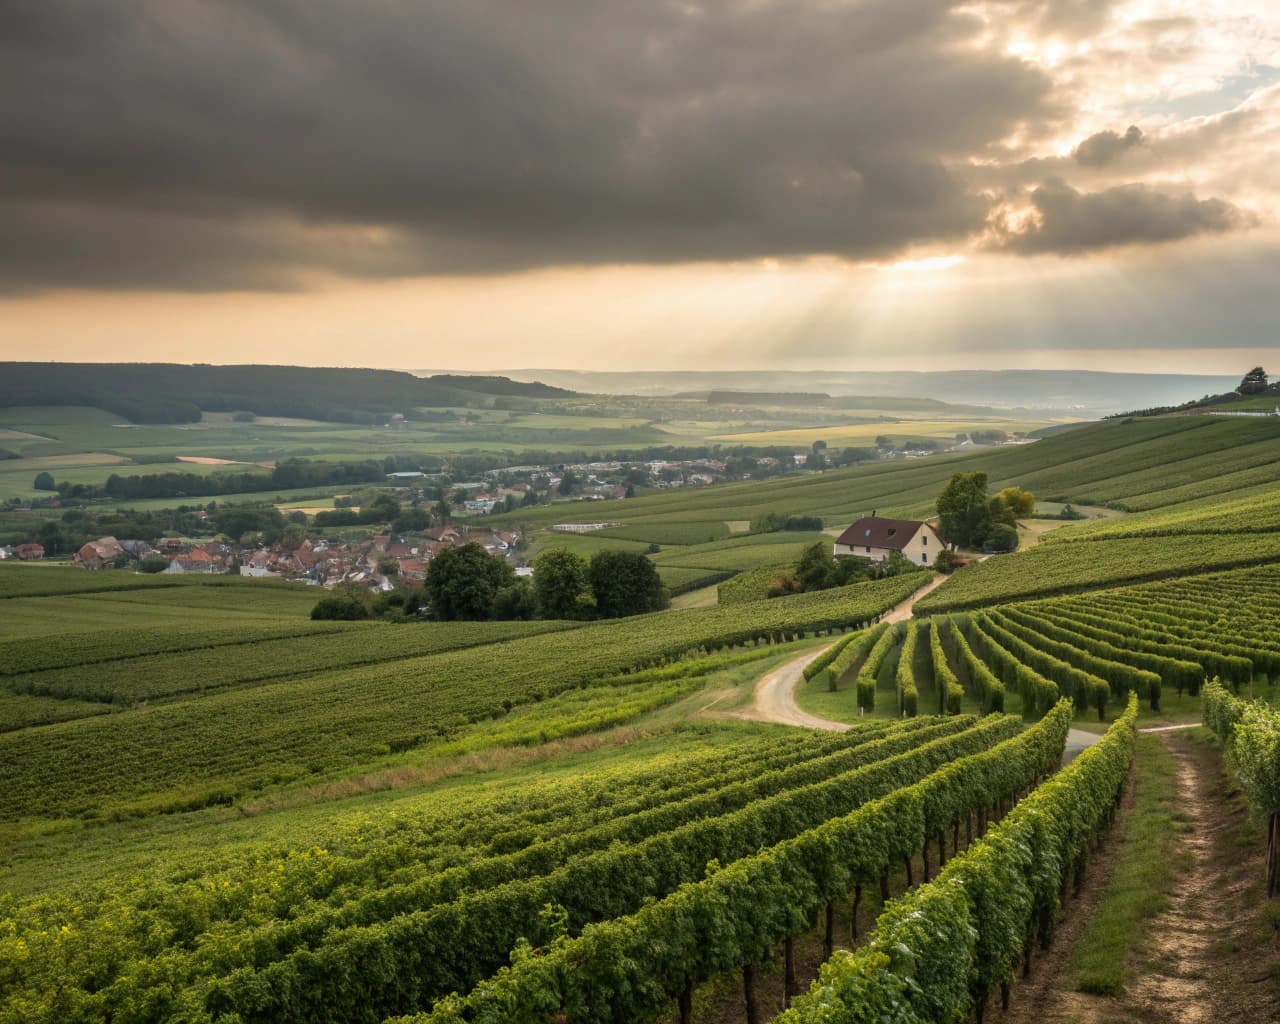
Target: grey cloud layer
<point>175,143</point>
<point>1069,221</point>
<point>1105,147</point>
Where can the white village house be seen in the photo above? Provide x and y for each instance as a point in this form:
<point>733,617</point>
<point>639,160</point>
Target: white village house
<point>876,538</point>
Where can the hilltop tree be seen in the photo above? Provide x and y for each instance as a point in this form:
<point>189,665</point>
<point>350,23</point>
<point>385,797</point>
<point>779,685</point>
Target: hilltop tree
<point>1254,382</point>
<point>560,583</point>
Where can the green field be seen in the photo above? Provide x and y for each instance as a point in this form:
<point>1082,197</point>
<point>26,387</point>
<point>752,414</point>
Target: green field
<point>85,445</point>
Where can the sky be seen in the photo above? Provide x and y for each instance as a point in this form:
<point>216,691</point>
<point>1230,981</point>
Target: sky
<point>606,184</point>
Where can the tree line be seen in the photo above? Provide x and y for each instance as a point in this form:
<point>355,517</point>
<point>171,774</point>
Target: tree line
<point>468,583</point>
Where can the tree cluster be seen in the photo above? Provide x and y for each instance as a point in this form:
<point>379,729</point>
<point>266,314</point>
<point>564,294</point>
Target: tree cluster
<point>1254,382</point>
<point>468,583</point>
<point>772,522</point>
<point>972,518</point>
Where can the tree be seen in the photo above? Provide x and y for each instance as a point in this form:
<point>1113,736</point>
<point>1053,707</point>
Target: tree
<point>964,509</point>
<point>815,567</point>
<point>1021,503</point>
<point>567,483</point>
<point>384,508</point>
<point>559,579</point>
<point>462,582</point>
<point>625,583</point>
<point>53,539</point>
<point>293,537</point>
<point>1254,382</point>
<point>347,601</point>
<point>517,601</point>
<point>153,564</point>
<point>412,520</point>
<point>44,482</point>
<point>849,456</point>
<point>768,522</point>
<point>1001,537</point>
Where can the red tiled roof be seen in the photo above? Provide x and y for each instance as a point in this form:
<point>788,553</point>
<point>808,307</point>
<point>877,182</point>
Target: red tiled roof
<point>872,531</point>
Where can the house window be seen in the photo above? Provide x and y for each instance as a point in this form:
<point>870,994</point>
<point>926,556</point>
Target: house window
<point>924,538</point>
<point>868,549</point>
<point>924,558</point>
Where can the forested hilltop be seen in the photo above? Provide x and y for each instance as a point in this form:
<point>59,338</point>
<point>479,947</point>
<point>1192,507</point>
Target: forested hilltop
<point>177,393</point>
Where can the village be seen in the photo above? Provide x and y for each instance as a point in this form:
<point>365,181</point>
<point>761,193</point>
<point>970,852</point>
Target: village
<point>377,562</point>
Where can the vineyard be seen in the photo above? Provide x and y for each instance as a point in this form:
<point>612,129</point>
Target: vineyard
<point>217,746</point>
<point>213,809</point>
<point>1062,568</point>
<point>1157,641</point>
<point>429,910</point>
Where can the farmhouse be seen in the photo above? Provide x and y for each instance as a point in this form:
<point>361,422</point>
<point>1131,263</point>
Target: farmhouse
<point>100,553</point>
<point>876,538</point>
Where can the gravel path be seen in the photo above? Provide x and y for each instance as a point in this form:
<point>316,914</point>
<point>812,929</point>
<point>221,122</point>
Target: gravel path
<point>775,694</point>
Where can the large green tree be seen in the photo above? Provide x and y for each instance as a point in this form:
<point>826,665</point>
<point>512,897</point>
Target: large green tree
<point>815,567</point>
<point>462,582</point>
<point>964,509</point>
<point>625,583</point>
<point>560,581</point>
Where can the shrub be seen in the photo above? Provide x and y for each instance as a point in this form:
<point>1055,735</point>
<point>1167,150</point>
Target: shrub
<point>1001,538</point>
<point>345,603</point>
<point>946,561</point>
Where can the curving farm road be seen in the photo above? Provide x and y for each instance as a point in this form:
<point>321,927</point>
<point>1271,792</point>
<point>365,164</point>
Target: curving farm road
<point>774,699</point>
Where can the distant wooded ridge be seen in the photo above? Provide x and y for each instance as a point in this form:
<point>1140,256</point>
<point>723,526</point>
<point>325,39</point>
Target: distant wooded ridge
<point>179,393</point>
<point>1089,391</point>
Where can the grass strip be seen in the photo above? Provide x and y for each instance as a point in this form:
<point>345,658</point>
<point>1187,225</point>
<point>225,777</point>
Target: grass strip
<point>1147,857</point>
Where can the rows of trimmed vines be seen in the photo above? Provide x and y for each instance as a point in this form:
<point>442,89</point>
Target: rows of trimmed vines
<point>1153,640</point>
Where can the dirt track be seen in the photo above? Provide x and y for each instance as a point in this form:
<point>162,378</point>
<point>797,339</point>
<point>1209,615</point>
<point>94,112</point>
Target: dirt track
<point>1210,954</point>
<point>774,699</point>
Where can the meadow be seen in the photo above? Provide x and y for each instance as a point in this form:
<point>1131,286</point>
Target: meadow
<point>85,445</point>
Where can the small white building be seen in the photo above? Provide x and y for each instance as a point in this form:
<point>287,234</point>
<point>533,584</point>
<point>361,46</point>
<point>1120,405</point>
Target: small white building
<point>876,538</point>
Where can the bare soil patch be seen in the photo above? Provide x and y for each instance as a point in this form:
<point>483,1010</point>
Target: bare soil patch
<point>207,460</point>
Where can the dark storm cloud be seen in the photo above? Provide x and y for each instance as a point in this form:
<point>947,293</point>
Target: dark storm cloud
<point>181,144</point>
<point>1105,147</point>
<point>1069,221</point>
